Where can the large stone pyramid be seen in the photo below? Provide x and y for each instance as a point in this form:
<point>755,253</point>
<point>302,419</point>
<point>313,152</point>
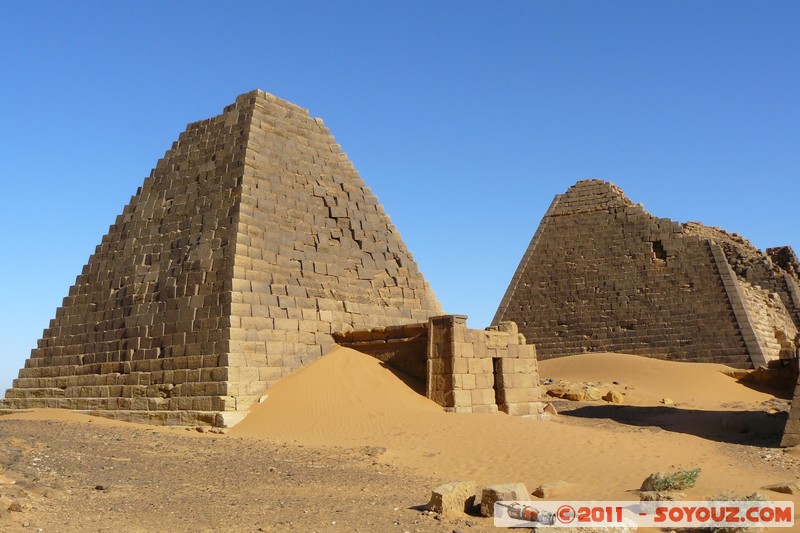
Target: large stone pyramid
<point>602,274</point>
<point>252,241</point>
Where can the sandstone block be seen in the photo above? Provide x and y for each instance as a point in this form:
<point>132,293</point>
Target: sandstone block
<point>452,498</point>
<point>501,492</point>
<point>614,396</point>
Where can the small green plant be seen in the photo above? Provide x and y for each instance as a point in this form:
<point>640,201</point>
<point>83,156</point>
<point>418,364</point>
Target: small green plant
<point>679,480</point>
<point>730,497</point>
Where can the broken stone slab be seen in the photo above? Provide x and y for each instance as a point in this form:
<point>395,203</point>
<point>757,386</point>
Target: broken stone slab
<point>501,492</point>
<point>784,488</point>
<point>557,392</point>
<point>548,490</point>
<point>575,394</point>
<point>592,394</point>
<point>452,498</point>
<point>550,409</point>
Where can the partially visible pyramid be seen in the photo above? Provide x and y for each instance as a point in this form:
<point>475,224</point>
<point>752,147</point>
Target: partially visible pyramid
<point>252,241</point>
<point>603,274</point>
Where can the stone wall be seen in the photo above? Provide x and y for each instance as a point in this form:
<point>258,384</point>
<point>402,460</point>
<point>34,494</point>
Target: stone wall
<point>465,370</point>
<point>402,347</point>
<point>251,241</point>
<point>479,371</point>
<point>602,274</point>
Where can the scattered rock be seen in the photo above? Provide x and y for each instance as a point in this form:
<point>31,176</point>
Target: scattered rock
<point>575,394</point>
<point>452,498</point>
<point>201,429</point>
<point>548,490</point>
<point>784,488</point>
<point>557,392</point>
<point>613,396</point>
<point>501,492</point>
<point>550,409</point>
<point>15,508</point>
<point>592,394</point>
<point>102,487</point>
<point>667,401</point>
<point>374,451</point>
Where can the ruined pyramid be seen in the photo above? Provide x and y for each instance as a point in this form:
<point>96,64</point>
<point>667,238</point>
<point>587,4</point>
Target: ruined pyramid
<point>251,241</point>
<point>602,274</point>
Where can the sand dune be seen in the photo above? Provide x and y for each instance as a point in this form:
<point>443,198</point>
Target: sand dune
<point>604,452</point>
<point>698,385</point>
<point>345,398</point>
<point>349,399</point>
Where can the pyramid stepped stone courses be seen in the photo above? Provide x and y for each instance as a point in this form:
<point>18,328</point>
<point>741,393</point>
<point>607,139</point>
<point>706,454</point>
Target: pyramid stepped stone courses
<point>465,370</point>
<point>250,242</point>
<point>602,274</point>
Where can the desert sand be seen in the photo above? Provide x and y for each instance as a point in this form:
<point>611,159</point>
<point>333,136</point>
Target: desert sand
<point>350,401</point>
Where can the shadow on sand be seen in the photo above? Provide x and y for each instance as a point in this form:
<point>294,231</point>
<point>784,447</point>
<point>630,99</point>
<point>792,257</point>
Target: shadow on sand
<point>757,428</point>
<point>412,382</point>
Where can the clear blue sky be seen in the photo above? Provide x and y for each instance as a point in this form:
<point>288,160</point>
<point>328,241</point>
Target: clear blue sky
<point>465,118</point>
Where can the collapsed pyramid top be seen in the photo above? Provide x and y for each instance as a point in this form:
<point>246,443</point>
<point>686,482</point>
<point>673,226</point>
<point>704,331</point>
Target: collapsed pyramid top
<point>603,274</point>
<point>251,241</point>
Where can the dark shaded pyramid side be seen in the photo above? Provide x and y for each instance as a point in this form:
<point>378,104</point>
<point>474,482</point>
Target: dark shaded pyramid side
<point>220,275</point>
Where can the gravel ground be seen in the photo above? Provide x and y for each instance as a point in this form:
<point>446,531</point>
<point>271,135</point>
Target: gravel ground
<point>67,476</point>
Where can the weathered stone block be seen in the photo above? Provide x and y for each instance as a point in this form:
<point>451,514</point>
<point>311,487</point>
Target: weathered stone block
<point>502,492</point>
<point>452,498</point>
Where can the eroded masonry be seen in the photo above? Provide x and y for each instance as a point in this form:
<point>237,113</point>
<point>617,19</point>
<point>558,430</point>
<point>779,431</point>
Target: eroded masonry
<point>251,242</point>
<point>464,370</point>
<point>602,274</point>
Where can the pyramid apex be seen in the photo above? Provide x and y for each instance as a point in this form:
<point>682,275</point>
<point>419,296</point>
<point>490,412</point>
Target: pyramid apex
<point>265,98</point>
<point>596,184</point>
<point>591,195</point>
